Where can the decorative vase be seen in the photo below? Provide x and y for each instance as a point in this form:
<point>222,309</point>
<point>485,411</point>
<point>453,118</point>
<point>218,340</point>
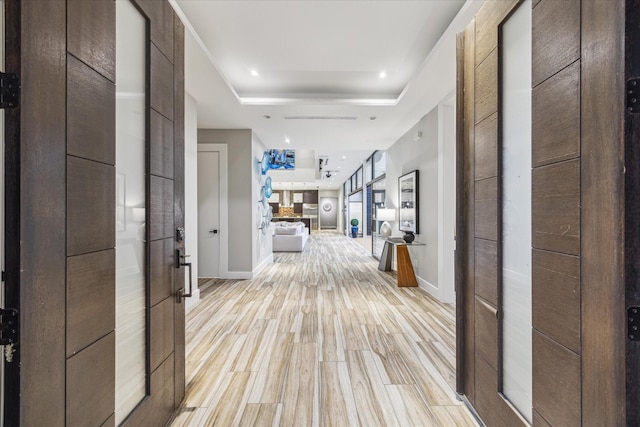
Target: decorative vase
<point>409,237</point>
<point>354,232</point>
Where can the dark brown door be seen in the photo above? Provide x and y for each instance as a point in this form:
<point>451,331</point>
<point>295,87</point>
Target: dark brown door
<point>578,204</point>
<point>61,204</point>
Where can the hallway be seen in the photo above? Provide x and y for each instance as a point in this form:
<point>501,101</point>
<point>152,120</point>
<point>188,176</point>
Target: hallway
<point>320,338</point>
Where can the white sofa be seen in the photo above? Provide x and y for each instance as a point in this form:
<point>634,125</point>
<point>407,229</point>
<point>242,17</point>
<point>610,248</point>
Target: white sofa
<point>289,236</point>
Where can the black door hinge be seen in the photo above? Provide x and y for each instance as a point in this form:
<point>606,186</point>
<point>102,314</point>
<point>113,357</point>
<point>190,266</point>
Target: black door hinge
<point>633,323</point>
<point>633,96</point>
<point>9,90</point>
<point>8,326</point>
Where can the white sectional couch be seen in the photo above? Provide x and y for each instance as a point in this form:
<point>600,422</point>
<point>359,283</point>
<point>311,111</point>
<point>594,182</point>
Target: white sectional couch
<point>289,236</point>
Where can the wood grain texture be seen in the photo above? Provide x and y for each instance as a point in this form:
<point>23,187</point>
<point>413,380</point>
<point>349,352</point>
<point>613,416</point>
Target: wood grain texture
<point>602,180</point>
<point>161,84</point>
<point>90,298</point>
<point>487,332</point>
<point>556,118</point>
<point>161,145</point>
<point>161,331</point>
<point>538,420</point>
<point>556,297</point>
<point>161,218</point>
<point>406,275</point>
<point>161,17</point>
<point>555,37</point>
<point>90,206</point>
<point>90,384</point>
<point>486,87</point>
<point>486,150</point>
<point>162,266</point>
<point>91,114</point>
<point>289,375</point>
<point>486,209</point>
<point>556,382</point>
<point>35,203</point>
<point>555,202</point>
<point>486,274</point>
<point>488,19</point>
<point>466,256</point>
<point>91,34</point>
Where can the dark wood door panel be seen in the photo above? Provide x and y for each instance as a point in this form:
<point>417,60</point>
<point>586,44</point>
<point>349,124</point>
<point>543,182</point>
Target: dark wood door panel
<point>556,37</point>
<point>486,87</point>
<point>486,209</point>
<point>556,382</point>
<point>161,145</point>
<point>161,213</point>
<point>90,384</point>
<point>90,206</point>
<point>486,270</point>
<point>556,117</point>
<point>556,297</point>
<point>161,16</point>
<point>162,266</point>
<point>486,330</point>
<point>487,20</point>
<point>161,85</point>
<point>90,298</point>
<point>91,34</point>
<point>486,150</point>
<point>555,213</point>
<point>161,331</point>
<point>91,113</point>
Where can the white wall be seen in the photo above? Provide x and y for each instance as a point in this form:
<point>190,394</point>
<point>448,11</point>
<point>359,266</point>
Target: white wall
<point>262,247</point>
<point>191,193</point>
<point>406,155</point>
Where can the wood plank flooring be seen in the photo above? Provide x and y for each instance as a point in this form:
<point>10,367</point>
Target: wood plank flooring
<point>320,338</point>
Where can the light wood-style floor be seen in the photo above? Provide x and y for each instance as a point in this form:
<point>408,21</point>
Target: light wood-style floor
<point>320,338</point>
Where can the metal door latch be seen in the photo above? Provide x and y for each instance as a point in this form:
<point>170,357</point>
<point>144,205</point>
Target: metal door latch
<point>8,326</point>
<point>9,90</point>
<point>180,262</point>
<point>633,323</point>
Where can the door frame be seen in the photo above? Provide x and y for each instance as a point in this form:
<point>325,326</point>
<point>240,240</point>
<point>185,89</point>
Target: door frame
<point>221,148</point>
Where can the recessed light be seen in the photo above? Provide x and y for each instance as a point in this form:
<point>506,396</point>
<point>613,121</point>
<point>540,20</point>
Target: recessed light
<point>383,74</point>
<point>287,140</point>
<point>254,73</point>
<point>344,157</point>
<point>372,118</point>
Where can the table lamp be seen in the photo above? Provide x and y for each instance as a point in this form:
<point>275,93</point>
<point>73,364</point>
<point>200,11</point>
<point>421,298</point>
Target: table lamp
<point>384,214</point>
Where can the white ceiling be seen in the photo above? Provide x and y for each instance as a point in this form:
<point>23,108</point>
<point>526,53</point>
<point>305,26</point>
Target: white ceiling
<point>318,66</point>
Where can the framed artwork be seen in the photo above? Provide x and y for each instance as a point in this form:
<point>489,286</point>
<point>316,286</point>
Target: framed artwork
<point>408,207</point>
<point>282,159</point>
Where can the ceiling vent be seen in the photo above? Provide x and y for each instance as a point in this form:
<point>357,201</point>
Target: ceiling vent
<point>320,117</point>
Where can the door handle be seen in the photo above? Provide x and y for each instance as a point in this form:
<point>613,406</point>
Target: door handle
<point>180,262</point>
<point>213,231</point>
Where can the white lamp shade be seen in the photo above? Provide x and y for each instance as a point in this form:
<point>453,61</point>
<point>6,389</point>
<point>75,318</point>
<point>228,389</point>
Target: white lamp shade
<point>384,214</point>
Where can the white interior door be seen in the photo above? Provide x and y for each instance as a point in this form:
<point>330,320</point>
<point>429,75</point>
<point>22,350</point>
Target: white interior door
<point>208,214</point>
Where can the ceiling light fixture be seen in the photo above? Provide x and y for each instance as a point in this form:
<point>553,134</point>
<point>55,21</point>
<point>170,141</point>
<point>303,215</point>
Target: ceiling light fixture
<point>383,74</point>
<point>344,157</point>
<point>287,140</point>
<point>254,73</point>
<point>372,118</point>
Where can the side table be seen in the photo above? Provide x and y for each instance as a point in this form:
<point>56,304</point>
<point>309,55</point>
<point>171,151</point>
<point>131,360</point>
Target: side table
<point>406,275</point>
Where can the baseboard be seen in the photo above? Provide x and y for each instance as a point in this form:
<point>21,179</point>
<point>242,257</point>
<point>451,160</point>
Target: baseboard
<point>193,301</point>
<point>429,288</point>
<point>248,275</point>
<point>268,260</point>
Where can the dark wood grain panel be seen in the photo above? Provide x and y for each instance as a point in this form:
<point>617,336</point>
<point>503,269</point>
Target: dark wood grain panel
<point>91,113</point>
<point>555,211</point>
<point>111,422</point>
<point>486,209</point>
<point>161,209</point>
<point>535,3</point>
<point>161,330</point>
<point>486,332</point>
<point>161,17</point>
<point>602,178</point>
<point>91,384</point>
<point>161,145</point>
<point>91,34</point>
<point>488,18</point>
<point>90,206</point>
<point>556,382</point>
<point>90,298</point>
<point>486,150</point>
<point>486,87</point>
<point>161,85</point>
<point>486,270</point>
<point>556,297</point>
<point>179,205</point>
<point>35,203</point>
<point>539,421</point>
<point>556,117</point>
<point>555,37</point>
<point>466,212</point>
<point>487,403</point>
<point>162,266</point>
